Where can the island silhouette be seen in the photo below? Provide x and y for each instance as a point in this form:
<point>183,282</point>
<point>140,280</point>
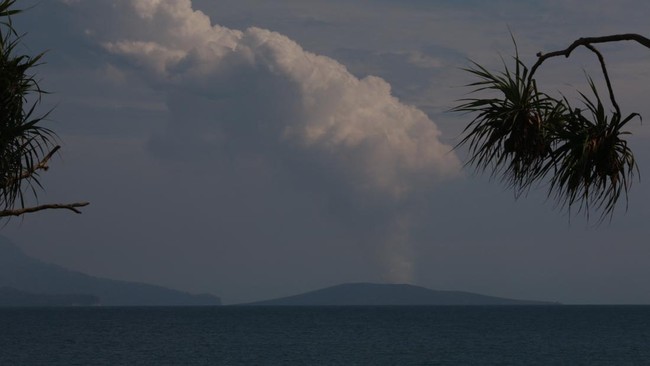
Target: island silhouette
<point>375,294</point>
<point>26,281</point>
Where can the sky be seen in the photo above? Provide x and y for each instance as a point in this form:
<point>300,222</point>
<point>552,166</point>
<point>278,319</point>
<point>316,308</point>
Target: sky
<point>256,149</point>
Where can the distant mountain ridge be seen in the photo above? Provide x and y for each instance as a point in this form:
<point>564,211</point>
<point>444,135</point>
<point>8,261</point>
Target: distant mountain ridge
<point>372,294</point>
<point>21,272</point>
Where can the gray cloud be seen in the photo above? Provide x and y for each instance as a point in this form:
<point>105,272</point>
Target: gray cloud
<point>185,195</point>
<point>257,97</point>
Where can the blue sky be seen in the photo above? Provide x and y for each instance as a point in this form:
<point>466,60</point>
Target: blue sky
<point>302,144</point>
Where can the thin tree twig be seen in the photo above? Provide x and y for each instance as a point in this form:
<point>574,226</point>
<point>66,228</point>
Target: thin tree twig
<point>606,75</point>
<point>42,165</point>
<point>21,211</point>
<point>541,57</point>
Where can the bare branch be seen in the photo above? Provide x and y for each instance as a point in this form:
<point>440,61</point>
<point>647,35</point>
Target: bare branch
<point>42,165</point>
<point>606,75</point>
<point>588,41</point>
<point>70,206</point>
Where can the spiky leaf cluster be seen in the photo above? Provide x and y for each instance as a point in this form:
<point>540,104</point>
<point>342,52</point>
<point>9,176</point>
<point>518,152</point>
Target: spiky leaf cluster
<point>524,136</point>
<point>23,142</point>
<point>593,164</point>
<point>512,133</point>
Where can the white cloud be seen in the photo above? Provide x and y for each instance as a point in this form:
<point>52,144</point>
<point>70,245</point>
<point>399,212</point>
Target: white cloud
<point>261,213</point>
<point>380,144</point>
<point>259,99</point>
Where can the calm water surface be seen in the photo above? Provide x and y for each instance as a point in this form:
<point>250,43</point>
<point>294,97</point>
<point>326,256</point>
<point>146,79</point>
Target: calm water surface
<point>540,335</point>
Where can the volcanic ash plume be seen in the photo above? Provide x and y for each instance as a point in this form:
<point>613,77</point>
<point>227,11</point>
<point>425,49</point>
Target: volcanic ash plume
<point>257,92</point>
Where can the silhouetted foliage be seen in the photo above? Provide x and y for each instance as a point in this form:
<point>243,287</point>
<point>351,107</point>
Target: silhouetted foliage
<point>25,145</point>
<point>524,136</point>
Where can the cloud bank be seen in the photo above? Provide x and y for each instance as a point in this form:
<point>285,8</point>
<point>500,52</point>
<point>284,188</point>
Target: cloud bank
<point>257,93</point>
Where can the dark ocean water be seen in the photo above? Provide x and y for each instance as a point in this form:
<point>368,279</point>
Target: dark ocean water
<point>496,335</point>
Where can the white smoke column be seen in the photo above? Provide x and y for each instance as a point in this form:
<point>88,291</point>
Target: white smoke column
<point>259,90</point>
<point>397,252</point>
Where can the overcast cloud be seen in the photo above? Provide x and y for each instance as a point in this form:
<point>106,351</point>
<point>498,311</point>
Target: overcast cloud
<point>254,149</point>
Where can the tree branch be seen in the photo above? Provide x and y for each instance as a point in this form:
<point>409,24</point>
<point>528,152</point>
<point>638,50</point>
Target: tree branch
<point>21,211</point>
<point>606,75</point>
<point>585,42</point>
<point>42,165</point>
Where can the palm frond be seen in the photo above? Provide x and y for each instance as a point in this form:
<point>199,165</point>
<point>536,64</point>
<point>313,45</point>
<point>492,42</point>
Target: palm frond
<point>511,133</point>
<point>524,136</point>
<point>23,141</point>
<point>595,165</point>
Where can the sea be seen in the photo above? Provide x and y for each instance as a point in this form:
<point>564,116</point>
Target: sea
<point>400,335</point>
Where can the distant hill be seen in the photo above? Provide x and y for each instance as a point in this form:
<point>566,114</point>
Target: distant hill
<point>369,294</point>
<point>12,297</point>
<point>21,272</point>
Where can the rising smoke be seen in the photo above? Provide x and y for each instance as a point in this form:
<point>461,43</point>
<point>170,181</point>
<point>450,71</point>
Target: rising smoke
<point>258,93</point>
